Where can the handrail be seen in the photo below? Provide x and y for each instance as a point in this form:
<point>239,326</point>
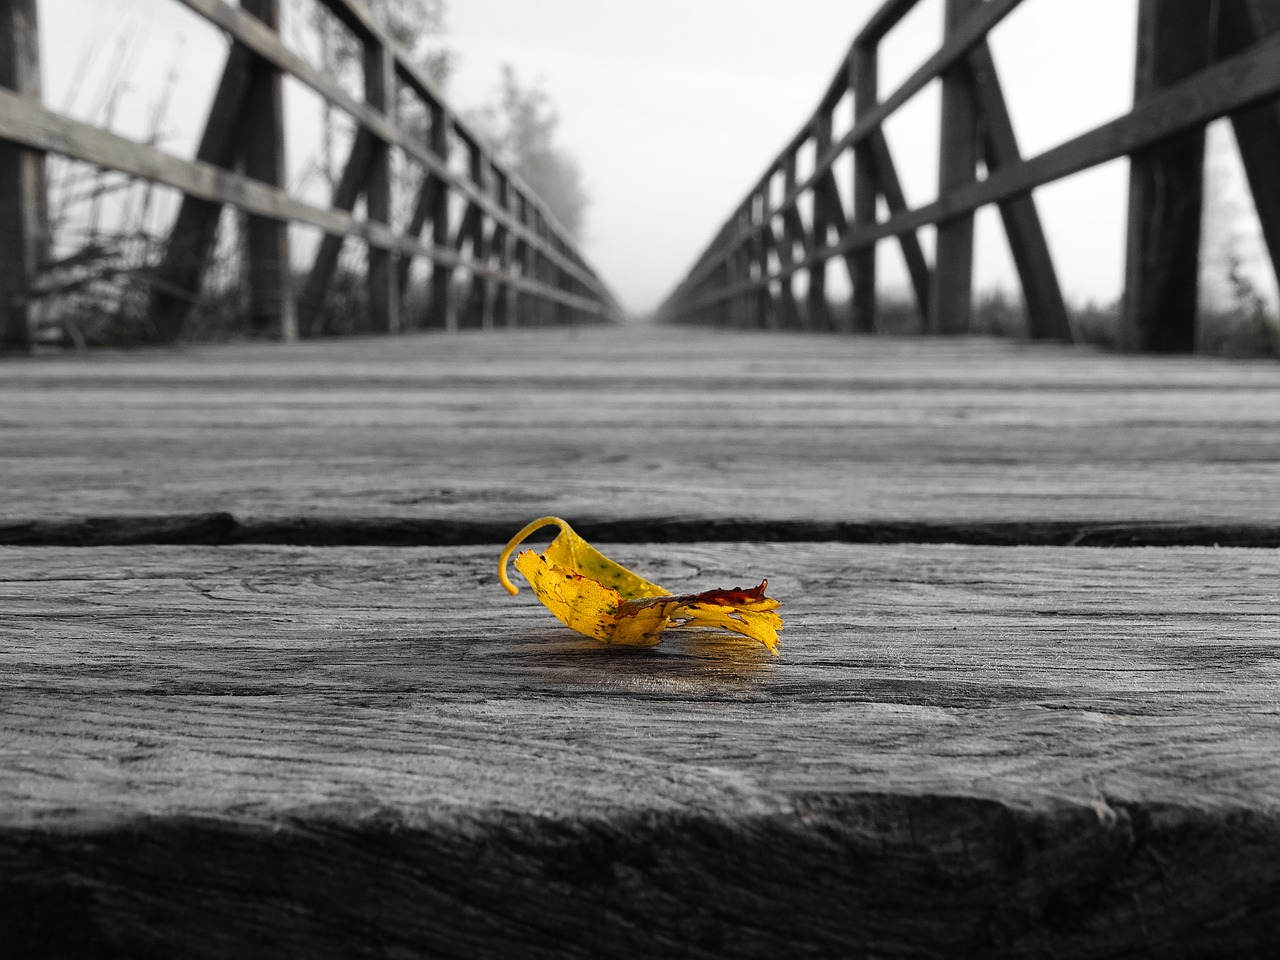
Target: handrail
<point>743,276</point>
<point>252,33</point>
<point>1237,84</point>
<point>507,239</point>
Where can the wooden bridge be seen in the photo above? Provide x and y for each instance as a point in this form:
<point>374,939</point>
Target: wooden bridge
<point>262,694</point>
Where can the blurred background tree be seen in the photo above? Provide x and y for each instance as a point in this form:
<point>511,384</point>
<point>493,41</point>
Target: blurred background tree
<point>520,127</point>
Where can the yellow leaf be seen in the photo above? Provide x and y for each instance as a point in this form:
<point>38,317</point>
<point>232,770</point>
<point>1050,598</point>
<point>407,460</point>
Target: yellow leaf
<point>595,596</point>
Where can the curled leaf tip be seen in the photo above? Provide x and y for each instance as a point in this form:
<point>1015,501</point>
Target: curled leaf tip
<point>602,599</point>
<point>527,531</point>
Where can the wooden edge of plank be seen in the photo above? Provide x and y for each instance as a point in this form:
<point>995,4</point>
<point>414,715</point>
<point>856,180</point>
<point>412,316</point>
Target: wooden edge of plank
<point>869,872</point>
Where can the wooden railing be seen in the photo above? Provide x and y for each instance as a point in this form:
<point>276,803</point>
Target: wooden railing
<point>1197,61</point>
<point>505,261</point>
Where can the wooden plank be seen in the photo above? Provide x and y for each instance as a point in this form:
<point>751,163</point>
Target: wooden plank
<point>1061,752</point>
<point>24,215</point>
<point>1235,84</point>
<point>1046,312</point>
<point>1257,130</point>
<point>951,300</point>
<point>186,252</point>
<point>1166,188</point>
<point>864,81</point>
<point>272,310</point>
<point>383,277</point>
<point>610,424</point>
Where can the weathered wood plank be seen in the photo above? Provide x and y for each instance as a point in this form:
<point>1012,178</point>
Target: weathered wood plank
<point>645,422</point>
<point>321,752</point>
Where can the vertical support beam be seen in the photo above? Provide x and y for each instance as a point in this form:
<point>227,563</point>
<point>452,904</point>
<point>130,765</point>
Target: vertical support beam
<point>740,270</point>
<point>792,233</point>
<point>441,311</point>
<point>383,278</point>
<point>186,253</point>
<point>764,312</point>
<point>502,251</point>
<point>819,311</point>
<point>1245,22</point>
<point>864,79</point>
<point>1166,187</point>
<point>951,304</point>
<point>1046,312</point>
<point>271,307</point>
<point>519,258</point>
<point>479,312</point>
<point>24,215</point>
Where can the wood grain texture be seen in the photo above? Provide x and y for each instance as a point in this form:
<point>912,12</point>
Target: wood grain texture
<point>340,752</point>
<point>641,422</point>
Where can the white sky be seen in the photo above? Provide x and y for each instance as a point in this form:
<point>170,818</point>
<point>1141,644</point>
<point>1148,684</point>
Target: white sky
<point>675,107</point>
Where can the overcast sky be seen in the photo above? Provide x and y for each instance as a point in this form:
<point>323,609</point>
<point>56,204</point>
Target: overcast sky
<point>675,107</point>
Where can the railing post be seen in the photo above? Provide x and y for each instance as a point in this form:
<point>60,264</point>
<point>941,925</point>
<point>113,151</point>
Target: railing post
<point>502,243</point>
<point>441,311</point>
<point>864,79</point>
<point>383,277</point>
<point>819,311</point>
<point>271,306</point>
<point>951,302</point>
<point>792,230</point>
<point>24,218</point>
<point>764,312</point>
<point>1166,187</point>
<point>519,256</point>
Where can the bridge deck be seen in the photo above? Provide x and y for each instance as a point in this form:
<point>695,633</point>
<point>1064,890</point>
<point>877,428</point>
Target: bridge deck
<point>277,733</point>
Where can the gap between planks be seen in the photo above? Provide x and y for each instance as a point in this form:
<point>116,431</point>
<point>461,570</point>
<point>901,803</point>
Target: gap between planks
<point>224,528</point>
